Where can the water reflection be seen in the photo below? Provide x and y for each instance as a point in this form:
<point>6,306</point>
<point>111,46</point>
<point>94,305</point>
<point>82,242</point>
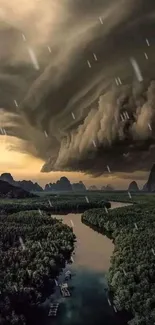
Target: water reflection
<point>93,250</point>
<point>88,303</point>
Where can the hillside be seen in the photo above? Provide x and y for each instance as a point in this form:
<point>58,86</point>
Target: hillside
<point>9,191</point>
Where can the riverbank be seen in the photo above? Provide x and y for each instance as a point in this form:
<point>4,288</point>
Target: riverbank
<point>34,249</point>
<point>131,275</point>
<point>88,304</point>
<point>51,205</point>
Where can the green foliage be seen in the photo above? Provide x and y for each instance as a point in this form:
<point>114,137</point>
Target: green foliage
<point>54,204</point>
<point>132,273</point>
<point>26,270</point>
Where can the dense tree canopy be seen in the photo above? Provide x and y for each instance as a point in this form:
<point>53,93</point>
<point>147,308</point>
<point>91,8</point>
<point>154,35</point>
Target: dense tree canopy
<point>132,273</point>
<point>33,249</point>
<point>54,204</point>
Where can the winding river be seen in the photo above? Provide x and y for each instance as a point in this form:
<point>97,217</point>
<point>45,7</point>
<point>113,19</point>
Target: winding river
<point>88,304</point>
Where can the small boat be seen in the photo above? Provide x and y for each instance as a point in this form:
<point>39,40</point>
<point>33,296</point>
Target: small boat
<point>53,309</point>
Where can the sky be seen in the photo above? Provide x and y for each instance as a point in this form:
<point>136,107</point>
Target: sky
<point>77,90</point>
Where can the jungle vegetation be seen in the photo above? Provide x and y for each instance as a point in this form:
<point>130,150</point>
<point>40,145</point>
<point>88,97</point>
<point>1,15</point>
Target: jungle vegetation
<point>33,250</point>
<point>53,204</point>
<point>132,273</point>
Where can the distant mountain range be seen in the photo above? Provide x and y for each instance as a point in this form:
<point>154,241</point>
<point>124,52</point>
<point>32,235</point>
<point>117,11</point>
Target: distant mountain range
<point>133,187</point>
<point>149,186</point>
<point>10,191</point>
<point>25,185</point>
<point>63,184</point>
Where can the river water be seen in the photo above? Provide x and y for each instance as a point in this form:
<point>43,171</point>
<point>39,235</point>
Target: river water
<point>88,304</point>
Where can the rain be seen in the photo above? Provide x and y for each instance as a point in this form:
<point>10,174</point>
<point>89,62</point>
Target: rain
<point>136,226</point>
<point>108,169</point>
<point>72,224</point>
<point>15,102</point>
<point>50,203</point>
<point>117,82</point>
<point>106,210</point>
<point>146,56</point>
<point>3,131</point>
<point>147,42</point>
<point>40,212</point>
<point>89,65</point>
<point>109,302</point>
<point>122,118</point>
<point>49,49</point>
<point>73,116</point>
<point>95,57</point>
<point>22,243</point>
<point>101,21</point>
<point>136,69</point>
<point>24,38</point>
<point>94,143</point>
<point>153,251</point>
<point>120,81</point>
<point>33,58</point>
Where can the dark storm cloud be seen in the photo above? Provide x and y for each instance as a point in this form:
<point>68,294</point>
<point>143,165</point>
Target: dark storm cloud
<point>90,121</point>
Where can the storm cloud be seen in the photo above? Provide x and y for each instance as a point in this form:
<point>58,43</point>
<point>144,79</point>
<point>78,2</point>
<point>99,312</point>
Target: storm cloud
<point>84,108</point>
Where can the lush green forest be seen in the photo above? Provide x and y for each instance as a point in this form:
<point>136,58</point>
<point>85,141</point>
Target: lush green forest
<point>54,203</point>
<point>34,247</point>
<point>33,250</point>
<point>132,273</point>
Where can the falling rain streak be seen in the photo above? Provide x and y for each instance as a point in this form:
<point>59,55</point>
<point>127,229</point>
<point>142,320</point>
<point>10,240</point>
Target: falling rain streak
<point>136,69</point>
<point>95,57</point>
<point>73,116</point>
<point>101,21</point>
<point>3,131</point>
<point>87,200</point>
<point>89,65</point>
<point>40,212</point>
<point>94,143</point>
<point>72,224</point>
<point>136,226</point>
<point>153,251</point>
<point>108,168</point>
<point>16,103</point>
<point>122,118</point>
<point>109,302</point>
<point>33,58</point>
<point>106,210</point>
<point>118,81</point>
<point>50,203</point>
<point>24,38</point>
<point>146,56</point>
<point>22,243</point>
<point>147,42</point>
